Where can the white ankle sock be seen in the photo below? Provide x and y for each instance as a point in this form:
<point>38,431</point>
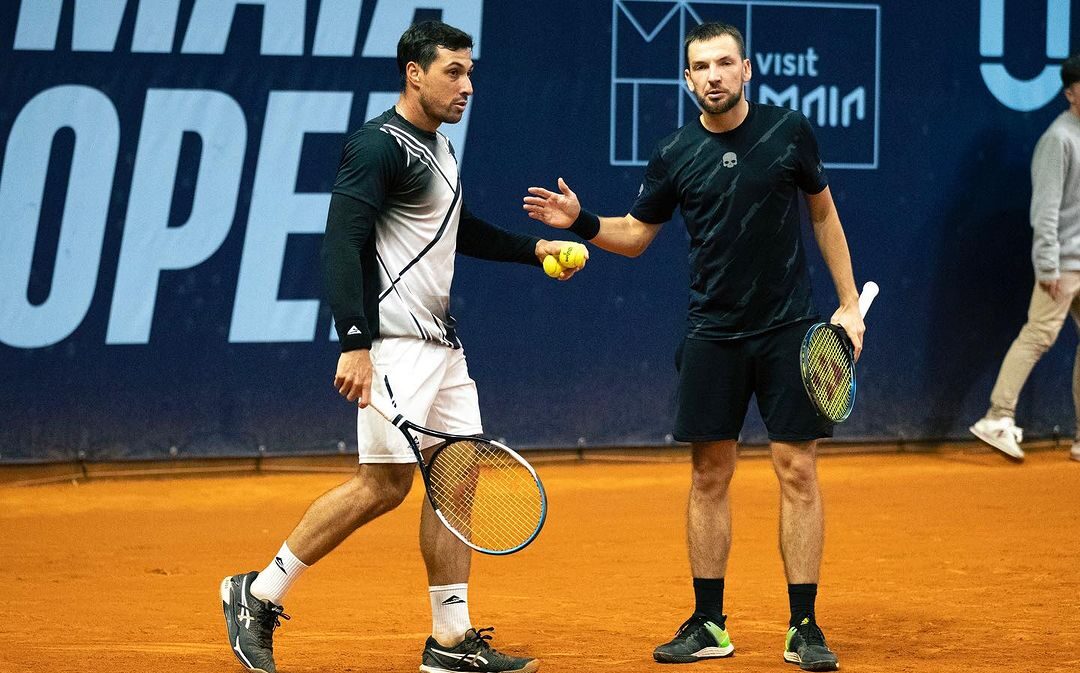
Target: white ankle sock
<point>274,581</point>
<point>449,613</point>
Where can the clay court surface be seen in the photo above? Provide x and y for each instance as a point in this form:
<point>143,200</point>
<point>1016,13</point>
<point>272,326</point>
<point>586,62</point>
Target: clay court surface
<point>939,562</point>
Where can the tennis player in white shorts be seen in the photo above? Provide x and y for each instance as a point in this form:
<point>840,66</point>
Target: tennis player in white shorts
<point>430,385</point>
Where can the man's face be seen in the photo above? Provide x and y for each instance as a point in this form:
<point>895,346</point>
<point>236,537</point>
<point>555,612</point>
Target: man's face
<point>446,86</point>
<point>1072,94</point>
<point>716,73</point>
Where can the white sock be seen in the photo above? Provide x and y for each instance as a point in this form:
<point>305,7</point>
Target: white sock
<point>449,613</point>
<point>274,581</point>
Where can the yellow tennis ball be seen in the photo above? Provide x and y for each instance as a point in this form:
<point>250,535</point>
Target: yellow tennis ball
<point>572,256</point>
<point>552,267</point>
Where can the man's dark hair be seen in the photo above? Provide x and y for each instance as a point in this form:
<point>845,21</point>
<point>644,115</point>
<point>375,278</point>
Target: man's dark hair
<point>1070,70</point>
<point>708,31</point>
<point>420,44</point>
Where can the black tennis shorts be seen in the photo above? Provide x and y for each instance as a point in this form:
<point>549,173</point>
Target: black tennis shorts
<point>717,378</point>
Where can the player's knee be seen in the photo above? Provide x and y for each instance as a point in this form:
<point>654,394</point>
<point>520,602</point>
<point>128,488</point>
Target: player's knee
<point>798,479</point>
<point>382,487</point>
<point>396,487</point>
<point>711,477</point>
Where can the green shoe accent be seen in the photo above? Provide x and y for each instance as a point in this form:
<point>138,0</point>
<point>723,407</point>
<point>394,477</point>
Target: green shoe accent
<point>787,640</point>
<point>721,635</point>
<point>791,632</point>
<point>697,639</point>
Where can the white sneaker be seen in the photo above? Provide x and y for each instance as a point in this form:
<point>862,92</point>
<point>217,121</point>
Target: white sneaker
<point>1002,434</point>
<point>1075,453</point>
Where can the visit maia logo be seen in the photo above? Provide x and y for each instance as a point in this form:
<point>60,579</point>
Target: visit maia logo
<point>821,58</point>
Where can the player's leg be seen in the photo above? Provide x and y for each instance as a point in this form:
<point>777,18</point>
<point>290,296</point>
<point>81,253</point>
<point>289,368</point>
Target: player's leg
<point>1044,321</point>
<point>794,428</point>
<point>252,601</point>
<point>454,644</point>
<point>715,384</point>
<point>802,539</point>
<point>802,518</point>
<point>374,490</point>
<point>448,562</point>
<point>708,518</point>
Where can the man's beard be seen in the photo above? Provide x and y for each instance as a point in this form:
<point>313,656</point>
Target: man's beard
<point>446,115</point>
<point>723,106</point>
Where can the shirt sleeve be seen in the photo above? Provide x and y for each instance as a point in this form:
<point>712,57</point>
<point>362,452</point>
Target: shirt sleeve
<point>657,198</point>
<point>810,172</point>
<point>1047,188</point>
<point>477,238</point>
<point>349,271</point>
<point>371,164</point>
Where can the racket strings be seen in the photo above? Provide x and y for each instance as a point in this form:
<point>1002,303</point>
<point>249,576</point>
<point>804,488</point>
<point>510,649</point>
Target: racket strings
<point>831,373</point>
<point>486,494</point>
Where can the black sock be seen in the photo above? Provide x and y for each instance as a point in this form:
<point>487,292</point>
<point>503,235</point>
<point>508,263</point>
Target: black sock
<point>801,599</point>
<point>709,598</point>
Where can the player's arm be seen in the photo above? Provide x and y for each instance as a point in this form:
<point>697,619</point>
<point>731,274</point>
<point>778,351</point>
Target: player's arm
<point>1047,185</point>
<point>832,242</point>
<point>482,240</point>
<point>370,165</point>
<point>348,227</point>
<point>625,235</point>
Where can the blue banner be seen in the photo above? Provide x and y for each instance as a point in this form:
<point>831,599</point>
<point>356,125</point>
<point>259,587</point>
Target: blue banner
<point>166,167</point>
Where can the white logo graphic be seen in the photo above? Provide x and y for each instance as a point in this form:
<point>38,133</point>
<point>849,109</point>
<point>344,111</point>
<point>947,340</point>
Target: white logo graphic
<point>836,88</point>
<point>354,330</point>
<point>730,160</point>
<point>465,658</point>
<point>245,616</point>
<point>1022,94</point>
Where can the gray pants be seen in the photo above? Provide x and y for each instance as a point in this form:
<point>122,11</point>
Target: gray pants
<point>1044,321</point>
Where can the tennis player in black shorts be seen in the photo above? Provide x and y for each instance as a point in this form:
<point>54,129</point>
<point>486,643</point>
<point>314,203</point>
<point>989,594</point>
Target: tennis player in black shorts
<point>735,173</point>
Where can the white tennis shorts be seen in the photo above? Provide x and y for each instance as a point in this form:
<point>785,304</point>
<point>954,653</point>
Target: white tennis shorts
<point>430,385</point>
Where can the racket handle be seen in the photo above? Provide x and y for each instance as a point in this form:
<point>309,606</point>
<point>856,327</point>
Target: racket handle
<point>382,404</point>
<point>869,293</point>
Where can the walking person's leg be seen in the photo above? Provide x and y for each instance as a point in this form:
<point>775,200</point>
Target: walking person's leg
<point>1045,317</point>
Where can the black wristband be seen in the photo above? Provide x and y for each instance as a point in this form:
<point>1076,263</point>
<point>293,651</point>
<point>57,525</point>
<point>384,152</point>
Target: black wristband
<point>587,225</point>
<point>354,334</point>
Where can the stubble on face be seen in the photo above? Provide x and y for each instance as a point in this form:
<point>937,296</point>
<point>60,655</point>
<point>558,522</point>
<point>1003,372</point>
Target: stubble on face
<point>716,73</point>
<point>444,98</point>
<point>721,106</point>
<point>446,113</point>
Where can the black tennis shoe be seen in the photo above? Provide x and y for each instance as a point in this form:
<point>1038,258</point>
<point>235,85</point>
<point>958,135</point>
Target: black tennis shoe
<point>805,646</point>
<point>474,653</point>
<point>698,638</point>
<point>250,622</point>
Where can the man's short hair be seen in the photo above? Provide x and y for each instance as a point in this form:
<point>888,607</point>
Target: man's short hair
<point>420,44</point>
<point>1070,70</point>
<point>707,31</point>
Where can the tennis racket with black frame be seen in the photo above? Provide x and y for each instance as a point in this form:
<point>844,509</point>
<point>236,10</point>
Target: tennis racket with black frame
<point>484,492</point>
<point>827,362</point>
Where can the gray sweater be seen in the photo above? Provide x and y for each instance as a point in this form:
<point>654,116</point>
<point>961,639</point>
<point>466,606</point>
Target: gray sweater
<point>1055,199</point>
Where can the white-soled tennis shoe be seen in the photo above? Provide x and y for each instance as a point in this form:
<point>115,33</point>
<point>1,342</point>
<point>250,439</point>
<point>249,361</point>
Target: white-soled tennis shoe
<point>1074,454</point>
<point>1002,434</point>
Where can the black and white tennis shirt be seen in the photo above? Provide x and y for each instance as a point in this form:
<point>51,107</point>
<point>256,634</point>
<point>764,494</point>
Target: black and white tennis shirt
<point>397,218</point>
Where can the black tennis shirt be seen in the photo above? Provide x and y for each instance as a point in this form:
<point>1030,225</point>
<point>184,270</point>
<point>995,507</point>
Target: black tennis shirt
<point>737,192</point>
